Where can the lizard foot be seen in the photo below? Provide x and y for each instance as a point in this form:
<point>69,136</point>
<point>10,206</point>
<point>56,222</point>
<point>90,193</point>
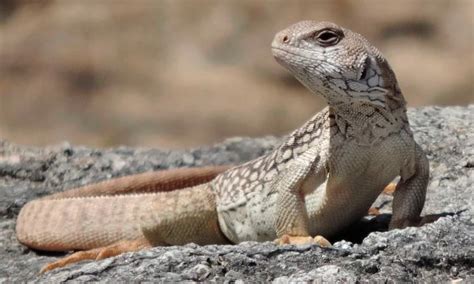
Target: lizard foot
<point>97,253</point>
<point>390,189</point>
<point>374,211</point>
<point>298,240</point>
<point>414,222</point>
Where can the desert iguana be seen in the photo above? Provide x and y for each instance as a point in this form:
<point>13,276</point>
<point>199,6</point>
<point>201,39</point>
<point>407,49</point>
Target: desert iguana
<point>321,179</point>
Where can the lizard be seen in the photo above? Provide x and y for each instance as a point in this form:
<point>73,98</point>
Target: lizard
<point>322,178</point>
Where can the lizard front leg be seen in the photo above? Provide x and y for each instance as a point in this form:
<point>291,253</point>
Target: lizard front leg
<point>410,193</point>
<point>291,222</point>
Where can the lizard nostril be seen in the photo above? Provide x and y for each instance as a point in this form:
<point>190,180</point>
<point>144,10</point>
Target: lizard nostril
<point>285,39</point>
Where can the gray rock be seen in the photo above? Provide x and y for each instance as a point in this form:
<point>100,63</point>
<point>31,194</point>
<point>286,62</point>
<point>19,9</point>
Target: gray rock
<point>439,251</point>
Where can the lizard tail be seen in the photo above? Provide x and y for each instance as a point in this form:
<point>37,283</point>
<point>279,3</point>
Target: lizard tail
<point>157,181</point>
<point>166,218</point>
<point>79,223</point>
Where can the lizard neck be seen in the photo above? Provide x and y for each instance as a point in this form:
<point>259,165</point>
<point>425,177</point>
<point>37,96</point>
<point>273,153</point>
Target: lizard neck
<point>369,124</point>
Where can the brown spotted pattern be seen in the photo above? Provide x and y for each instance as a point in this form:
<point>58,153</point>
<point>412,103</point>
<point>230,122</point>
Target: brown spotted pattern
<point>254,175</point>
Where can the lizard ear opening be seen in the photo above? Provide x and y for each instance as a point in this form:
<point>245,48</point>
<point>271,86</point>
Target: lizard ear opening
<point>364,70</point>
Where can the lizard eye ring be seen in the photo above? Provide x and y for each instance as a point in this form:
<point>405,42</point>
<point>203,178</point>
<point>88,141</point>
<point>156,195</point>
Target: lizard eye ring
<point>327,37</point>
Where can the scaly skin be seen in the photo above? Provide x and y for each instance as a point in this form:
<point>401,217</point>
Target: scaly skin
<point>321,179</point>
<point>101,214</point>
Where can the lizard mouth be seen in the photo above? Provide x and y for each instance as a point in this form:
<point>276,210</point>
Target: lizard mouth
<point>279,54</point>
<point>278,51</point>
<point>291,54</point>
<point>287,56</point>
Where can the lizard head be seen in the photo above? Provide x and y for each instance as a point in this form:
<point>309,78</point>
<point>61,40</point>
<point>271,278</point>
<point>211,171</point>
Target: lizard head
<point>336,63</point>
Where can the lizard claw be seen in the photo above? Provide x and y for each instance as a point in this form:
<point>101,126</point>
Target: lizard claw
<point>300,240</point>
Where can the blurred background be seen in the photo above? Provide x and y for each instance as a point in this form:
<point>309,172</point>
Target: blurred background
<point>184,73</point>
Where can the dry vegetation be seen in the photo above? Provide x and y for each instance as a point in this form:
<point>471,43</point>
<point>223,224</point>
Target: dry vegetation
<point>183,73</point>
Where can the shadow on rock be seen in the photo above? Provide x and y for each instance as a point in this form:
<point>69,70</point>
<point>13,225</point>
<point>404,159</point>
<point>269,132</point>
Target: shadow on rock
<point>357,232</point>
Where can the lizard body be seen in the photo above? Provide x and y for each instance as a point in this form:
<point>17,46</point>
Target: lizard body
<point>322,178</point>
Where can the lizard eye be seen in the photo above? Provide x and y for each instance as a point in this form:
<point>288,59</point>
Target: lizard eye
<point>327,37</point>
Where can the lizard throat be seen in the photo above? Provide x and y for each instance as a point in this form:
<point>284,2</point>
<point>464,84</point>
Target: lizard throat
<point>366,124</point>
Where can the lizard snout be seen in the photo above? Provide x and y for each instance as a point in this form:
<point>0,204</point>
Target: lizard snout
<point>282,38</point>
<point>279,46</point>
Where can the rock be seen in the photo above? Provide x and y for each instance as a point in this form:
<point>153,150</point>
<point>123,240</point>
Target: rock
<point>436,252</point>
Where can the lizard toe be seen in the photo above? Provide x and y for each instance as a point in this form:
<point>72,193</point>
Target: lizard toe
<point>98,253</point>
<point>294,240</point>
<point>73,258</point>
<point>322,241</point>
<point>390,189</point>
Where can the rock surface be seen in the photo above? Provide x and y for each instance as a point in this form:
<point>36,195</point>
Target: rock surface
<point>439,251</point>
